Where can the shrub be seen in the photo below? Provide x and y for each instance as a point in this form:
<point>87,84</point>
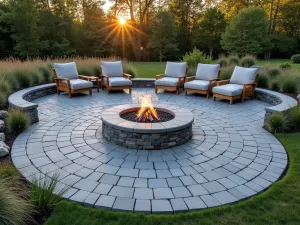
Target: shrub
<point>248,61</point>
<point>7,170</point>
<point>195,57</point>
<point>285,66</point>
<point>296,58</point>
<point>17,121</point>
<point>129,69</point>
<point>234,60</point>
<point>5,87</point>
<point>14,209</point>
<point>41,193</point>
<point>273,72</point>
<point>36,77</point>
<point>85,72</point>
<point>3,100</point>
<point>294,119</point>
<point>96,70</point>
<point>23,78</point>
<point>46,73</point>
<point>276,122</point>
<point>289,86</point>
<point>226,72</point>
<point>275,85</point>
<point>12,80</point>
<point>223,61</point>
<point>263,81</point>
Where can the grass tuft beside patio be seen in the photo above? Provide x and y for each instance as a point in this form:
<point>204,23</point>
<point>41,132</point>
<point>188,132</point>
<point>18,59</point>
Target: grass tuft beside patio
<point>278,205</point>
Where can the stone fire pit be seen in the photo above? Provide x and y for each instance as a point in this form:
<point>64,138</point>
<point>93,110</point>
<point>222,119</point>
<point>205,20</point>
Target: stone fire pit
<point>140,135</point>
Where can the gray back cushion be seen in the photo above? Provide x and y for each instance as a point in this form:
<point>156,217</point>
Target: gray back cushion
<point>207,71</point>
<point>66,70</point>
<point>175,69</point>
<point>243,75</point>
<point>112,69</point>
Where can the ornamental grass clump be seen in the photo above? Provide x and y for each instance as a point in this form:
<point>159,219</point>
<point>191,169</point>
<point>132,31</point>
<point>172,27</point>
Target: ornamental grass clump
<point>85,71</point>
<point>5,87</point>
<point>12,80</point>
<point>226,72</point>
<point>296,58</point>
<point>3,100</point>
<point>8,171</point>
<point>17,121</point>
<point>14,209</point>
<point>45,193</point>
<point>289,85</point>
<point>129,69</point>
<point>37,77</point>
<point>195,57</point>
<point>223,61</point>
<point>248,61</point>
<point>273,72</point>
<point>234,60</point>
<point>275,85</point>
<point>23,77</point>
<point>294,119</point>
<point>263,81</point>
<point>285,66</point>
<point>277,122</point>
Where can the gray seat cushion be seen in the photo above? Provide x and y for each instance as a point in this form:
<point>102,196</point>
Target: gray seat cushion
<point>112,69</point>
<point>77,84</point>
<point>197,84</point>
<point>228,89</point>
<point>167,81</point>
<point>207,71</point>
<point>119,81</point>
<point>66,70</point>
<point>175,69</point>
<point>243,75</point>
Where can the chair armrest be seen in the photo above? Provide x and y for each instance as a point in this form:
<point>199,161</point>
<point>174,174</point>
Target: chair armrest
<point>159,76</point>
<point>211,80</point>
<point>125,75</point>
<point>222,82</point>
<point>250,84</point>
<point>190,78</point>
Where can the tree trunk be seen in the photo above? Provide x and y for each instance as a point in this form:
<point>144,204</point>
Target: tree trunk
<point>211,52</point>
<point>160,55</point>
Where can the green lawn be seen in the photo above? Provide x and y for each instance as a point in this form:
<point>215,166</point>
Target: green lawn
<point>150,69</point>
<point>280,204</point>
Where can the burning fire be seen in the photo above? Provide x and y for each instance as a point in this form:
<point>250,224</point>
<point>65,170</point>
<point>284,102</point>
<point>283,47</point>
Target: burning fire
<point>147,112</point>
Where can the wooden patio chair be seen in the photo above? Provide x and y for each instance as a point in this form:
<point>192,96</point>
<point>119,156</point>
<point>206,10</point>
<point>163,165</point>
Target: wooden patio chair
<point>242,84</point>
<point>204,81</point>
<point>68,80</point>
<point>113,78</point>
<point>173,78</point>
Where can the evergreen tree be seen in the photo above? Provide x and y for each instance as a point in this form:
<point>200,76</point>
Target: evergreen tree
<point>163,39</point>
<point>247,33</point>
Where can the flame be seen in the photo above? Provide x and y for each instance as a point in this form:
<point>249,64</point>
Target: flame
<point>147,111</point>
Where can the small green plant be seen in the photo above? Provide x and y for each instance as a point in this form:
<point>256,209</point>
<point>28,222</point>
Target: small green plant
<point>37,77</point>
<point>7,170</point>
<point>3,100</point>
<point>195,57</point>
<point>17,121</point>
<point>85,72</point>
<point>296,58</point>
<point>129,69</point>
<point>248,61</point>
<point>294,119</point>
<point>277,122</point>
<point>234,60</point>
<point>226,72</point>
<point>273,72</point>
<point>289,86</point>
<point>14,209</point>
<point>223,61</point>
<point>96,70</point>
<point>23,77</point>
<point>5,87</point>
<point>275,85</point>
<point>285,66</point>
<point>192,71</point>
<point>263,81</point>
<point>45,193</point>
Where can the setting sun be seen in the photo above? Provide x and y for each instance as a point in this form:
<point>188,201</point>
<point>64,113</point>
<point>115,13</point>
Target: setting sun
<point>122,21</point>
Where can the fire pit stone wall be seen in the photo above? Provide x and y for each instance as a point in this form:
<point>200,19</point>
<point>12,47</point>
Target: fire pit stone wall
<point>148,136</point>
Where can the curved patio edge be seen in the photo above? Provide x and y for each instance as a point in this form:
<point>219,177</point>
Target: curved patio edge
<point>22,99</point>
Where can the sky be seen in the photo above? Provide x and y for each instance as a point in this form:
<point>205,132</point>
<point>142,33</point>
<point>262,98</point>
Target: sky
<point>107,5</point>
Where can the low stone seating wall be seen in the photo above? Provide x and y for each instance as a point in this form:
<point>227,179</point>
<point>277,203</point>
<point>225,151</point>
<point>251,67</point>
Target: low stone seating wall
<point>281,102</point>
<point>21,99</point>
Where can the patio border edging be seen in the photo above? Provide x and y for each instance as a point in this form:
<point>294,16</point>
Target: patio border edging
<point>22,99</point>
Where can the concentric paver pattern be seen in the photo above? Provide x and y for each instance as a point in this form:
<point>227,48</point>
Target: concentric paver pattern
<point>230,157</point>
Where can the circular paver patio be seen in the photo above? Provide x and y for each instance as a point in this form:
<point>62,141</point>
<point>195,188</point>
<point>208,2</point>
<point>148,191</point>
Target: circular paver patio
<point>230,156</point>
